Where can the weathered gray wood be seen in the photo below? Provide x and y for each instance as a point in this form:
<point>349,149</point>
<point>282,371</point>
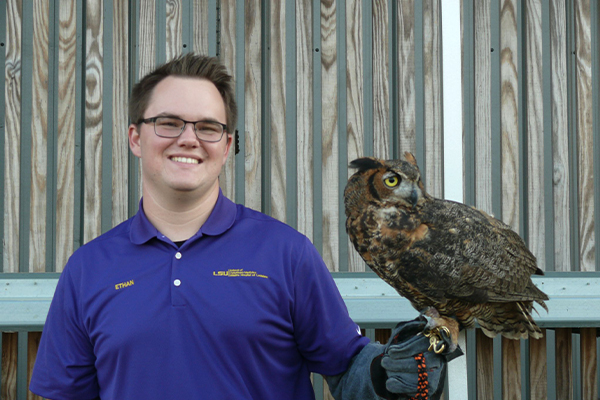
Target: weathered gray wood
<point>406,78</point>
<point>330,146</point>
<point>253,96</point>
<point>201,26</point>
<point>304,118</point>
<point>560,127</point>
<point>174,40</point>
<point>39,142</point>
<point>509,96</point>
<point>228,57</point>
<point>92,144</point>
<point>509,108</point>
<point>432,64</point>
<point>12,139</point>
<point>65,178</point>
<point>535,131</point>
<point>381,74</point>
<point>483,149</point>
<point>120,114</point>
<point>278,111</point>
<point>583,65</point>
<point>354,99</point>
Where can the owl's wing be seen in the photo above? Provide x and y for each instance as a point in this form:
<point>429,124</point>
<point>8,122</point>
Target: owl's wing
<point>467,254</point>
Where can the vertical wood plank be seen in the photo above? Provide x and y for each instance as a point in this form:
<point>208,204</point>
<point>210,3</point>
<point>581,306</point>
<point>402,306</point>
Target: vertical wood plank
<point>535,131</point>
<point>564,368</point>
<point>228,56</point>
<point>485,367</point>
<point>12,141</point>
<point>432,63</point>
<point>330,137</point>
<point>173,29</point>
<point>65,192</point>
<point>253,98</point>
<point>537,368</point>
<point>354,99</point>
<point>147,48</point>
<point>8,386</point>
<point>304,116</point>
<point>406,78</point>
<point>483,165</point>
<point>483,127</point>
<point>589,364</point>
<point>510,113</point>
<point>39,134</point>
<point>120,118</point>
<point>147,37</point>
<point>93,120</point>
<point>583,66</point>
<point>381,72</point>
<point>511,369</point>
<point>33,343</point>
<point>560,139</point>
<point>278,108</point>
<point>201,13</point>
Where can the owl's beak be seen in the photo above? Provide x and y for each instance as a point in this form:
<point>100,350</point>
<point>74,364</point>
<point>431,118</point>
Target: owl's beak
<point>414,198</point>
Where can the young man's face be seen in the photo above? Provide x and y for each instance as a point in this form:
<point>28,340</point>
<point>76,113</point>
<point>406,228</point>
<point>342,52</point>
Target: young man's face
<point>182,164</point>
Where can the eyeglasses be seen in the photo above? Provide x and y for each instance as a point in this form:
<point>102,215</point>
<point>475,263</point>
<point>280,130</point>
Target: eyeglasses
<point>172,127</point>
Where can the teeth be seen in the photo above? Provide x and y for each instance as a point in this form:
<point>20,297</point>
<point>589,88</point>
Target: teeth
<point>185,160</point>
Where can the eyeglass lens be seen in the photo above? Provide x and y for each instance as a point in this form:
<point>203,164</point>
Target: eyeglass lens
<point>172,127</point>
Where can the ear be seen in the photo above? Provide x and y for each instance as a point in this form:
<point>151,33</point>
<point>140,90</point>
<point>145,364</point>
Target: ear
<point>134,140</point>
<point>227,147</point>
<point>410,158</point>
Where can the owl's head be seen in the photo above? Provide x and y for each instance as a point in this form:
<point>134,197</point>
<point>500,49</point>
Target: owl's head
<point>390,181</point>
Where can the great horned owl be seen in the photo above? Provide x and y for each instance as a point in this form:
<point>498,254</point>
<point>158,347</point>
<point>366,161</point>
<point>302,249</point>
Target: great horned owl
<point>441,254</point>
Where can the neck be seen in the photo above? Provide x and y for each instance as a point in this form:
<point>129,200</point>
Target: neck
<point>181,217</point>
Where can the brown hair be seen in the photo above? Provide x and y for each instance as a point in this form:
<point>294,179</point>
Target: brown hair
<point>189,65</point>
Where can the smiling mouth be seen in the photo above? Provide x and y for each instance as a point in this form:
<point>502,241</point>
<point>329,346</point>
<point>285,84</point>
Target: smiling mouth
<point>185,160</point>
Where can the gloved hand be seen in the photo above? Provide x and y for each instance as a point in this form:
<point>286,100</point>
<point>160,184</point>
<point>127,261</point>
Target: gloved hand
<point>407,369</point>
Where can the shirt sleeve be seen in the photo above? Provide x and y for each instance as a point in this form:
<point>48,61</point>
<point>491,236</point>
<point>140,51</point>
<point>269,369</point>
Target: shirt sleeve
<point>326,335</point>
<point>64,367</point>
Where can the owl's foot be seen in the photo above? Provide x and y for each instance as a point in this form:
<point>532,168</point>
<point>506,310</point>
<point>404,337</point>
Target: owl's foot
<point>439,326</point>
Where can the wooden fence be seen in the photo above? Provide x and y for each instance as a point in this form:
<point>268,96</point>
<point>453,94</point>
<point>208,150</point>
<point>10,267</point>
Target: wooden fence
<point>318,84</point>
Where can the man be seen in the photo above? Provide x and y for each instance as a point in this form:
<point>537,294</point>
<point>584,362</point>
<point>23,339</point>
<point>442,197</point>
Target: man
<point>196,297</point>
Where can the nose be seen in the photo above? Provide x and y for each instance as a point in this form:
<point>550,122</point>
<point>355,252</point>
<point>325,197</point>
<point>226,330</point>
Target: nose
<point>188,135</point>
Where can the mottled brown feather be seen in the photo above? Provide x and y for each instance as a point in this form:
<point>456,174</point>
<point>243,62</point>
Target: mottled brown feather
<point>442,254</point>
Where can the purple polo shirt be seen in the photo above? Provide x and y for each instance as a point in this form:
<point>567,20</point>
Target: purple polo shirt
<point>245,309</point>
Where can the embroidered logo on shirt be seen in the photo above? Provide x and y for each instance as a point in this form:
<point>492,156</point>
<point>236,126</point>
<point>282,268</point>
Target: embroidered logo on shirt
<point>123,285</point>
<point>239,272</point>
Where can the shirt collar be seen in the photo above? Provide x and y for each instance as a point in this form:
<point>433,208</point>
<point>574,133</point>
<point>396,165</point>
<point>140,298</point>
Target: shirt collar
<point>220,220</point>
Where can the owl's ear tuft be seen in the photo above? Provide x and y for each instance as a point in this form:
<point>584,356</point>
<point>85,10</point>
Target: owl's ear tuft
<point>410,158</point>
<point>366,163</point>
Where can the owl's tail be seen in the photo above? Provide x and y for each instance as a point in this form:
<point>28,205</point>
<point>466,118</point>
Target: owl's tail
<point>511,320</point>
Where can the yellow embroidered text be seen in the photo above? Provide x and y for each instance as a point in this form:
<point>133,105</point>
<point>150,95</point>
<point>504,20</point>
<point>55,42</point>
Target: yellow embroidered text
<point>235,273</point>
<point>124,285</point>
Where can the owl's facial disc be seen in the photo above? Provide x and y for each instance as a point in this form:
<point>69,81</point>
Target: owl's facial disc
<point>402,188</point>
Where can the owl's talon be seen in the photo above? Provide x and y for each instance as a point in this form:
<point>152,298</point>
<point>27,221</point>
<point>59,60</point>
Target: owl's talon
<point>436,339</point>
<point>439,324</point>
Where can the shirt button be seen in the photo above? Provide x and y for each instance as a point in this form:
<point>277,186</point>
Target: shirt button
<point>178,255</point>
<point>176,282</point>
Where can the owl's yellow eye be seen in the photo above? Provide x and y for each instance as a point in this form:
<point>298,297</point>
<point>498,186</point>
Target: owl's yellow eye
<point>392,181</point>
